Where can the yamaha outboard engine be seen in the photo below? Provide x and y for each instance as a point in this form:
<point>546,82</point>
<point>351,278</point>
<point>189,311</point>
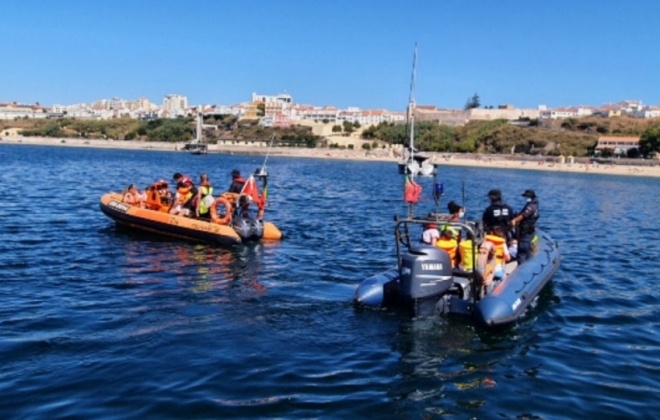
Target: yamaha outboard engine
<point>426,275</point>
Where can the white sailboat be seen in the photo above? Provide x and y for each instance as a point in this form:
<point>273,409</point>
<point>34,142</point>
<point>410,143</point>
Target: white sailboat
<point>196,147</point>
<point>411,163</point>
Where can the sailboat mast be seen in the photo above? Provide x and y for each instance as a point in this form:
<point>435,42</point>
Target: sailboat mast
<point>199,126</point>
<point>411,109</point>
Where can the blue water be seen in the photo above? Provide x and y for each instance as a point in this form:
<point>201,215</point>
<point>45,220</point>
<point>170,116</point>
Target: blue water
<point>97,322</point>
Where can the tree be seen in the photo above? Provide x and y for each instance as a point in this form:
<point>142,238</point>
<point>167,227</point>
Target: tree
<point>336,128</point>
<point>348,127</point>
<point>473,102</point>
<point>649,142</point>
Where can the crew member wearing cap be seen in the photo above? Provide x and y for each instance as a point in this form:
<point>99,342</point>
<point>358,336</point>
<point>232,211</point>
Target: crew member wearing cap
<point>237,182</point>
<point>526,225</point>
<point>498,213</point>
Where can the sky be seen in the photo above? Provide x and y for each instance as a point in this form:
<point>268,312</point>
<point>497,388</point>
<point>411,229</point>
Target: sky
<point>342,53</point>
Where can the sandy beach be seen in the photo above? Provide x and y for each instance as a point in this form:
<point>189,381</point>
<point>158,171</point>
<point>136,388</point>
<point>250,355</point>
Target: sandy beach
<point>479,161</point>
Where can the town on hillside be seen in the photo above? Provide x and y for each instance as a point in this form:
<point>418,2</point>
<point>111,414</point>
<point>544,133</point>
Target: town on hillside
<point>280,111</point>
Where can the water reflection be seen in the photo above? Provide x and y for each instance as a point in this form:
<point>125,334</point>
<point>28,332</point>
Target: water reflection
<point>197,268</point>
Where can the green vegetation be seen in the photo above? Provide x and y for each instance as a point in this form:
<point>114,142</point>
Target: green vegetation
<point>572,136</point>
<point>181,129</point>
<point>649,143</point>
<point>569,137</point>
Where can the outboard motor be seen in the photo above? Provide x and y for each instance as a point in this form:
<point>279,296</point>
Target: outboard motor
<point>256,228</point>
<point>426,275</point>
<point>248,228</point>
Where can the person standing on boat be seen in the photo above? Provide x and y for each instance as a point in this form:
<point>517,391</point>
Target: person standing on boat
<point>237,182</point>
<point>526,225</point>
<point>498,213</point>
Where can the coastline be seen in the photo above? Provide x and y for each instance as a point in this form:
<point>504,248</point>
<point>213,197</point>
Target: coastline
<point>386,155</point>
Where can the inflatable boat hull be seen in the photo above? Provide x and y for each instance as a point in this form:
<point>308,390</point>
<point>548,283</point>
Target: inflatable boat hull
<point>180,227</point>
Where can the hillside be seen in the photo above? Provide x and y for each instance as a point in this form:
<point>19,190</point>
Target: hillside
<point>572,136</point>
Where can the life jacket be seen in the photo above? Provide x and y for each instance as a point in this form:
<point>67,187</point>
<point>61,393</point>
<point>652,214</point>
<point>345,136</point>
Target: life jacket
<point>153,199</point>
<point>207,191</point>
<point>449,246</point>
<point>183,195</point>
<point>499,243</point>
<point>466,251</point>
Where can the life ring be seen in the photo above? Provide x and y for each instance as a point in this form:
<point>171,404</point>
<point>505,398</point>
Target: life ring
<point>221,220</point>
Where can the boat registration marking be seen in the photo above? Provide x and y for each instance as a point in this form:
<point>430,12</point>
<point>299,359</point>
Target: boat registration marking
<point>516,304</point>
<point>116,205</point>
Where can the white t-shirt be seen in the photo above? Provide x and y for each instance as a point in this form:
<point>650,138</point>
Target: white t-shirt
<point>430,236</point>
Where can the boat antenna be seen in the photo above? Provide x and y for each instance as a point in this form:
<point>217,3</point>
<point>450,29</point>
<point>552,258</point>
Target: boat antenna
<point>270,146</point>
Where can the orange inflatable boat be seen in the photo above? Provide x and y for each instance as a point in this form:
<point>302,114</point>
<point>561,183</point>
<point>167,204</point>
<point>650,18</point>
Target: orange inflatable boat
<point>231,222</point>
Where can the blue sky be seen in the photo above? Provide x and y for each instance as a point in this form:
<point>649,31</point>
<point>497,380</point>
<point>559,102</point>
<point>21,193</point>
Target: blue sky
<point>342,53</point>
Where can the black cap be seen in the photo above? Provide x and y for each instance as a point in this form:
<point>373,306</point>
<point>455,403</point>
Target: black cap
<point>235,173</point>
<point>495,194</point>
<point>176,176</point>
<point>529,194</point>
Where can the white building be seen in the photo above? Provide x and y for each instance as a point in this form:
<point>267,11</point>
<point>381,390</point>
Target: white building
<point>175,104</point>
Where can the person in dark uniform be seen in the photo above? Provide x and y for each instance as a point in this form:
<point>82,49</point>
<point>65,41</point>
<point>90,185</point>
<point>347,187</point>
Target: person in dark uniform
<point>526,225</point>
<point>498,213</point>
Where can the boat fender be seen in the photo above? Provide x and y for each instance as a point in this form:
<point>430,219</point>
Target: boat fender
<point>221,219</point>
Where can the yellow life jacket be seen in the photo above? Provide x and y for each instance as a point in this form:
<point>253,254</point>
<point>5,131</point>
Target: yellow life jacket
<point>466,252</point>
<point>207,191</point>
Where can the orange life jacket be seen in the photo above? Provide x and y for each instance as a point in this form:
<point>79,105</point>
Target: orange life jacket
<point>499,243</point>
<point>449,246</point>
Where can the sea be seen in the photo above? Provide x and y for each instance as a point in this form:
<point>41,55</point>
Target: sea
<point>101,322</point>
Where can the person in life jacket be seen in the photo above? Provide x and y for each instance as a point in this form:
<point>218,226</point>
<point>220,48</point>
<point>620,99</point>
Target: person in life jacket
<point>486,264</point>
<point>184,182</point>
<point>525,224</point>
<point>132,196</point>
<point>466,253</point>
<point>496,237</point>
<point>448,244</point>
<point>182,202</point>
<point>159,197</point>
<point>204,199</point>
<point>237,182</point>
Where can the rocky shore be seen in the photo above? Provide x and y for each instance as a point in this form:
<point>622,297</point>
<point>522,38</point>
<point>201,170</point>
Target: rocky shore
<point>481,161</point>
